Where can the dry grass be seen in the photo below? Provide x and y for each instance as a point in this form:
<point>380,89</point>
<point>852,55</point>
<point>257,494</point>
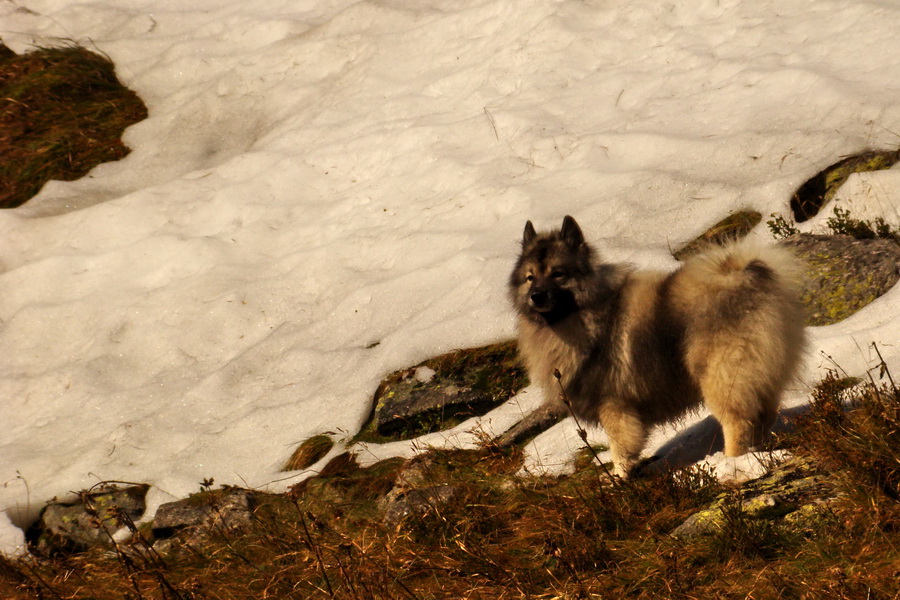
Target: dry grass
<point>309,453</point>
<point>732,227</point>
<point>62,112</point>
<point>499,536</point>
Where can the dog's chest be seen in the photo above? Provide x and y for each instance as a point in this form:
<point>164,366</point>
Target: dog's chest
<point>546,350</point>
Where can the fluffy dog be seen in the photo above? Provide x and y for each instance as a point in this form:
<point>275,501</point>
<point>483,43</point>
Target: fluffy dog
<point>633,349</point>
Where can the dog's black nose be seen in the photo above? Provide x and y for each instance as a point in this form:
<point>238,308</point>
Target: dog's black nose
<point>540,300</point>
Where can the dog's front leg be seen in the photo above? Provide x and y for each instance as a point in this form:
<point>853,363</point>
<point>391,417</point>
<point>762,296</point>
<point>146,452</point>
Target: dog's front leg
<point>626,432</point>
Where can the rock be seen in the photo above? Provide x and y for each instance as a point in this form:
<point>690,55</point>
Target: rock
<point>536,422</point>
<point>419,487</point>
<point>793,494</point>
<point>416,502</point>
<point>198,516</point>
<point>843,274</point>
<point>810,197</point>
<point>444,391</point>
<point>91,521</point>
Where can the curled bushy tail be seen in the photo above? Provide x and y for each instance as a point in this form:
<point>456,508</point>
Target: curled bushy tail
<point>746,262</point>
<point>745,334</point>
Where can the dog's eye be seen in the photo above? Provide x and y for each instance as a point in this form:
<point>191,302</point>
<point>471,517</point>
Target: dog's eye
<point>558,274</point>
<point>529,278</point>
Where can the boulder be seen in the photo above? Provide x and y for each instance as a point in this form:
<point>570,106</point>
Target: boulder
<point>792,494</point>
<point>197,517</point>
<point>444,391</point>
<point>843,274</point>
<point>90,521</point>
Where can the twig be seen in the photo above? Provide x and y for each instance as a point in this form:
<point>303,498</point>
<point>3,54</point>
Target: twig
<point>885,371</point>
<point>315,548</point>
<point>491,121</point>
<point>582,432</point>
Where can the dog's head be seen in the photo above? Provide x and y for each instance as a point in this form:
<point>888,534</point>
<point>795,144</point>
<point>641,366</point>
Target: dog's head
<point>551,272</point>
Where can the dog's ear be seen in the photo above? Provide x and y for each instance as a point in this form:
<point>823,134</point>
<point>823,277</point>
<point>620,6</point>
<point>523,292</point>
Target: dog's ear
<point>571,233</point>
<point>529,234</point>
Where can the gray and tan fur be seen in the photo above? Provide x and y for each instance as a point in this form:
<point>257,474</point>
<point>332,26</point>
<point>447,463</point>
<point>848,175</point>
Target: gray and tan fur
<point>638,348</point>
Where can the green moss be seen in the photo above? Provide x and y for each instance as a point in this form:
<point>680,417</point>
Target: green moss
<point>489,375</point>
<point>832,302</point>
<point>816,192</point>
<point>732,227</point>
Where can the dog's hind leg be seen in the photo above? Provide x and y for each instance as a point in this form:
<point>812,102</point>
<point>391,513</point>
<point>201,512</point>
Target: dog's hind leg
<point>766,418</point>
<point>746,416</point>
<point>627,436</point>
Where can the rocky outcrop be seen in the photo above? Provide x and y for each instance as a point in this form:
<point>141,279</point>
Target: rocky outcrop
<point>843,274</point>
<point>90,521</point>
<point>444,391</point>
<point>789,495</point>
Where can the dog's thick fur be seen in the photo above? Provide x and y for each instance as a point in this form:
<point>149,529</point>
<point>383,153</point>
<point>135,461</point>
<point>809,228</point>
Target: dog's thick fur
<point>634,349</point>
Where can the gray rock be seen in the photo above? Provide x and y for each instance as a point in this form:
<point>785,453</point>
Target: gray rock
<point>793,495</point>
<point>411,401</point>
<point>536,422</point>
<point>444,391</point>
<point>416,503</point>
<point>198,516</point>
<point>843,274</point>
<point>91,521</point>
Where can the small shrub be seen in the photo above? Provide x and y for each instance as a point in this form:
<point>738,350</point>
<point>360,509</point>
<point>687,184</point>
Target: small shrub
<point>780,227</point>
<point>855,432</point>
<point>842,223</point>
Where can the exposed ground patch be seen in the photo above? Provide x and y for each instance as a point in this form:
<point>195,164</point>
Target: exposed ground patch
<point>62,112</point>
<point>810,197</point>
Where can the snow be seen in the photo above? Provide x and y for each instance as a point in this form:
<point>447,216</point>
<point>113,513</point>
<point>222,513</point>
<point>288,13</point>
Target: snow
<point>326,191</point>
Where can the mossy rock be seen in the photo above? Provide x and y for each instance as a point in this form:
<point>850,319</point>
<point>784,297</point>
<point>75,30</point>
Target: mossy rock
<point>444,391</point>
<point>790,491</point>
<point>344,481</point>
<point>64,528</point>
<point>810,197</point>
<point>843,274</point>
<point>732,227</point>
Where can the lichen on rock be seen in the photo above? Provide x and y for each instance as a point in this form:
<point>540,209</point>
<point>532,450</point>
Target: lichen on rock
<point>843,274</point>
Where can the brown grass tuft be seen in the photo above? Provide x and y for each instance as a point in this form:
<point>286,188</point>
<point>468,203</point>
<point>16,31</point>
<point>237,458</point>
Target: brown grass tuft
<point>309,453</point>
<point>62,112</point>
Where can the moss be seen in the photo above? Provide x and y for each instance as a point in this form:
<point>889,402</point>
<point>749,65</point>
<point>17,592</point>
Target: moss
<point>476,379</point>
<point>828,304</point>
<point>816,192</point>
<point>732,227</point>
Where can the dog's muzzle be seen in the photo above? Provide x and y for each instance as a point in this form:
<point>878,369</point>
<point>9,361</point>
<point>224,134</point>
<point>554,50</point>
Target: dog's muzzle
<point>541,300</point>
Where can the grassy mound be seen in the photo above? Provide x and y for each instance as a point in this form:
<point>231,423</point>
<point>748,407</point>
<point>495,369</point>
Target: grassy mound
<point>732,227</point>
<point>63,113</point>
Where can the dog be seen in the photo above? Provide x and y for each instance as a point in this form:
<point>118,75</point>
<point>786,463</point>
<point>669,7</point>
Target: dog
<point>633,349</point>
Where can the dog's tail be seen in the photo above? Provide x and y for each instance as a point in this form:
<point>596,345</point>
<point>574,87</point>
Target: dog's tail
<point>746,263</point>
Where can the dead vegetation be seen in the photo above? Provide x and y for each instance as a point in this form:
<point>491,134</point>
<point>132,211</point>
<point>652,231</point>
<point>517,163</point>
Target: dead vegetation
<point>496,535</point>
<point>62,112</point>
